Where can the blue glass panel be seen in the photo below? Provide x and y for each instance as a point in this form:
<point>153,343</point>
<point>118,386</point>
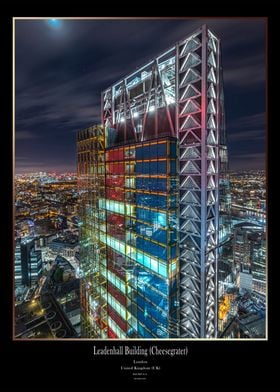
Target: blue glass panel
<point>153,151</point>
<point>155,167</point>
<point>152,167</point>
<point>156,298</point>
<point>161,167</point>
<point>162,270</point>
<point>160,236</point>
<point>161,184</point>
<point>143,277</point>
<point>146,152</point>
<point>173,168</point>
<point>151,248</point>
<point>142,332</point>
<point>151,232</point>
<point>173,236</point>
<point>173,221</point>
<point>141,302</point>
<point>162,332</point>
<point>173,184</point>
<point>151,200</point>
<point>139,153</point>
<point>173,201</point>
<point>151,325</point>
<point>146,261</point>
<point>174,285</point>
<point>139,167</point>
<point>159,316</point>
<point>160,218</point>
<point>173,150</point>
<point>161,150</point>
<point>151,216</point>
<point>146,167</point>
<point>152,184</point>
<point>173,252</point>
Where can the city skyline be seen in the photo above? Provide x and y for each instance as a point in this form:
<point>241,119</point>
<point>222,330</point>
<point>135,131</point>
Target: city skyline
<point>62,65</point>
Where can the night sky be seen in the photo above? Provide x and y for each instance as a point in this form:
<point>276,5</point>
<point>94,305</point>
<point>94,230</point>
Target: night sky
<point>63,65</point>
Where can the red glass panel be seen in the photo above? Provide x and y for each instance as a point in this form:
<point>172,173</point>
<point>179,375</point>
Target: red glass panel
<point>111,334</point>
<point>115,219</point>
<point>115,181</point>
<point>117,318</point>
<point>114,155</point>
<point>115,194</point>
<point>116,232</point>
<point>120,297</point>
<point>115,168</point>
<point>117,270</point>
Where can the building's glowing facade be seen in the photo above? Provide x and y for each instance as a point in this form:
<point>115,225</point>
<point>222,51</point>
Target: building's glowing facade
<point>155,198</point>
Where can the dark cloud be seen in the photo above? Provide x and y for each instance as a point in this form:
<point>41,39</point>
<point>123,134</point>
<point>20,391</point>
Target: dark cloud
<point>61,72</point>
<point>25,135</point>
<point>251,135</point>
<point>253,161</point>
<point>246,72</point>
<point>249,129</point>
<point>250,121</point>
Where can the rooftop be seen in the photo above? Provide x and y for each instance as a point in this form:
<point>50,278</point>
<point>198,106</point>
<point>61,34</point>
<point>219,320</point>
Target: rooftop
<point>42,318</point>
<point>252,325</point>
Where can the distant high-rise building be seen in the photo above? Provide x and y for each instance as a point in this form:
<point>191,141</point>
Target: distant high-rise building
<point>155,198</point>
<point>241,249</point>
<point>249,253</point>
<point>28,263</point>
<point>17,266</point>
<point>259,266</point>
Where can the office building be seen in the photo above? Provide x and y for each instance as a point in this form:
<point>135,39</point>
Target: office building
<point>154,198</point>
<point>17,265</point>
<point>28,263</point>
<point>259,267</point>
<point>241,248</point>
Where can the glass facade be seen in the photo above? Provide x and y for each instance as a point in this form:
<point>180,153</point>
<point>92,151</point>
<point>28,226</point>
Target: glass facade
<point>28,263</point>
<point>137,228</point>
<point>17,266</point>
<point>155,198</point>
<point>259,268</point>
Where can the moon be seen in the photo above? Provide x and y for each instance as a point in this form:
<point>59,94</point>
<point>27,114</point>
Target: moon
<point>54,23</point>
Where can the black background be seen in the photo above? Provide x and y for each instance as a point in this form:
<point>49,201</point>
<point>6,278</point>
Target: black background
<point>51,365</point>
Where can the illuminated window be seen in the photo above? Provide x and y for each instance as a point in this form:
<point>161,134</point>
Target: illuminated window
<point>154,265</point>
<point>162,270</point>
<point>151,216</point>
<point>115,206</point>
<point>130,182</point>
<point>138,256</point>
<point>130,209</point>
<point>116,281</point>
<point>115,328</point>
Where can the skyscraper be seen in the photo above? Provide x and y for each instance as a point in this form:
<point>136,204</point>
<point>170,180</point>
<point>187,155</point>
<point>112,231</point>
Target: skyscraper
<point>259,266</point>
<point>241,248</point>
<point>28,263</point>
<point>155,198</point>
<point>17,265</point>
